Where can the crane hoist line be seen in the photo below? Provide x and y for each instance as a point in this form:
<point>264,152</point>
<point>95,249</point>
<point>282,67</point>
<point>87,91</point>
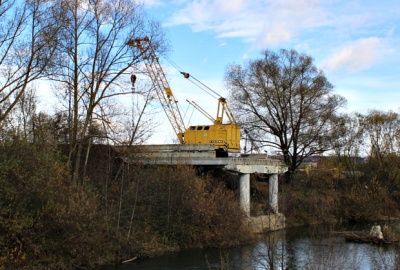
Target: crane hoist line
<point>224,136</point>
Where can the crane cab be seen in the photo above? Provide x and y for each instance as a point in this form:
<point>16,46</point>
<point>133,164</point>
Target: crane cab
<point>224,137</point>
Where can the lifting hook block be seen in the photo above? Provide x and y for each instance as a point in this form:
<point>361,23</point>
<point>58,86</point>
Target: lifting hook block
<point>186,75</point>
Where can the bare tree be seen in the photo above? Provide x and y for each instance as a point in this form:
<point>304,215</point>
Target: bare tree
<point>24,112</point>
<point>27,44</point>
<point>286,102</point>
<point>381,133</point>
<point>139,126</point>
<point>348,142</point>
<point>95,60</point>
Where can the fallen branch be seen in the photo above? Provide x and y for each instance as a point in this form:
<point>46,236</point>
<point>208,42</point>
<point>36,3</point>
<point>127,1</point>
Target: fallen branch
<point>129,260</point>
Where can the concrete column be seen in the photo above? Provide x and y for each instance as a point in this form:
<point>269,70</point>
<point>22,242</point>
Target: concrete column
<point>244,186</point>
<point>273,193</point>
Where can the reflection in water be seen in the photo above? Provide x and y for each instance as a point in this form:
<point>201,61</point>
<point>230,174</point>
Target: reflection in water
<point>299,248</point>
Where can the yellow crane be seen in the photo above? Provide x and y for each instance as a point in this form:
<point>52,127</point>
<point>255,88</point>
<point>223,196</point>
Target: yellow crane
<point>224,136</point>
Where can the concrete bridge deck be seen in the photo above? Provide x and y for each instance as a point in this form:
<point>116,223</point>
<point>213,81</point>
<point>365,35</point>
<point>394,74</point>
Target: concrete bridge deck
<point>198,155</point>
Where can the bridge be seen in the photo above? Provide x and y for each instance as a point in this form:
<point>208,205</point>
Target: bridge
<point>204,155</point>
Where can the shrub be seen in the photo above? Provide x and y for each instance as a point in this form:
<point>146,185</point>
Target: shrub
<point>174,207</point>
<point>46,221</point>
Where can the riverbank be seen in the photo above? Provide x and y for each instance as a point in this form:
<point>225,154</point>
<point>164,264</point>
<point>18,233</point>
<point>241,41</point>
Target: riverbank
<point>123,211</point>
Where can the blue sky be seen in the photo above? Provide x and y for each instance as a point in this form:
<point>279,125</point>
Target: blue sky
<point>355,42</point>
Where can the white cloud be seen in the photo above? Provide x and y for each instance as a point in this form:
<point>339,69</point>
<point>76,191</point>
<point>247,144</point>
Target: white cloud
<point>266,22</point>
<point>356,57</point>
<point>232,6</point>
<point>222,44</point>
<point>152,3</point>
<point>275,35</point>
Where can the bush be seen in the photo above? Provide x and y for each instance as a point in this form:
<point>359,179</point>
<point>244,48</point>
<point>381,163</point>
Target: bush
<point>46,221</point>
<point>325,195</point>
<point>173,207</point>
<point>367,202</point>
<point>119,212</point>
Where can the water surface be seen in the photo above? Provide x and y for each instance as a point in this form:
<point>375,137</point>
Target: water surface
<point>318,247</point>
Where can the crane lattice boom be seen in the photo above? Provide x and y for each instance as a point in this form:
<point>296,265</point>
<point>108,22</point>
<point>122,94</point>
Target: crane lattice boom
<point>161,85</point>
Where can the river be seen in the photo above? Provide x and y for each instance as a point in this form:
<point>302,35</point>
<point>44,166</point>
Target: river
<point>317,247</point>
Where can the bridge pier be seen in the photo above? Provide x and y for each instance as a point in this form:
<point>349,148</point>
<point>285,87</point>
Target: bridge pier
<point>260,224</point>
<point>244,194</point>
<point>273,193</point>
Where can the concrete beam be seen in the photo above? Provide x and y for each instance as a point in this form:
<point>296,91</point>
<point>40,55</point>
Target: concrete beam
<point>248,168</point>
<point>165,147</point>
